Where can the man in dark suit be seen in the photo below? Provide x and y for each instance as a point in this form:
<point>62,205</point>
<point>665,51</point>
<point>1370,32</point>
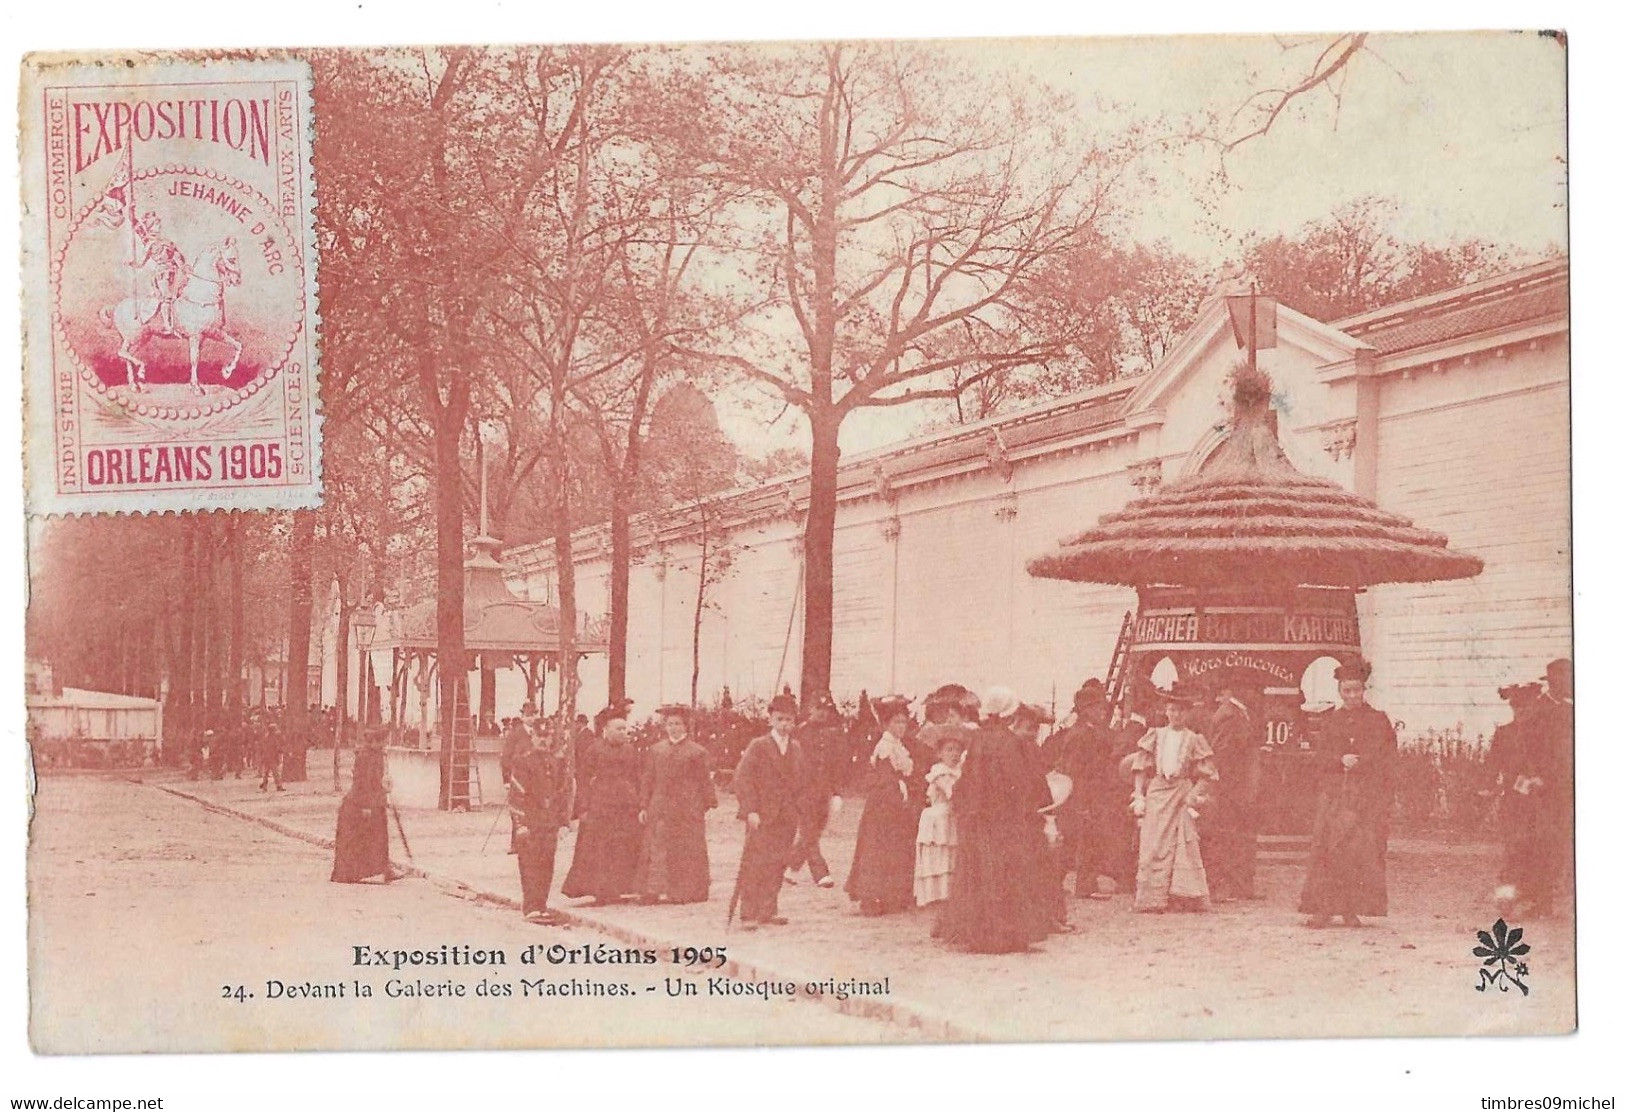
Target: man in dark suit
<point>540,790</point>
<point>822,739</point>
<point>1231,851</point>
<point>516,735</point>
<point>1542,794</point>
<point>772,784</point>
<point>268,751</point>
<point>1084,750</point>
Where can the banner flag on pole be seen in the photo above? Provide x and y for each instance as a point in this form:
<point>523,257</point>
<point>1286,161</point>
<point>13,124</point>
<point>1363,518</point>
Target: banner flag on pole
<point>116,201</point>
<point>1244,309</point>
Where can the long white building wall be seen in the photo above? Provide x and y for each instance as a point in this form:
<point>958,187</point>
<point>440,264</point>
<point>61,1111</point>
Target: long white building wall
<point>931,584</point>
<point>1479,452</point>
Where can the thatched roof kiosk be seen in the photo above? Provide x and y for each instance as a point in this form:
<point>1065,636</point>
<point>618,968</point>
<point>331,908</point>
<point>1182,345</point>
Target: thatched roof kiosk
<point>1250,518</point>
<point>1247,575</point>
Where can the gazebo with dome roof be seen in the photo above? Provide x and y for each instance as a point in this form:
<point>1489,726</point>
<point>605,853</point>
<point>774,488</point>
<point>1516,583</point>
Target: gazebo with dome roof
<point>500,630</point>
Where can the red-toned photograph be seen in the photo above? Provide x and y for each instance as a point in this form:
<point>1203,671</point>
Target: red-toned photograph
<point>1044,540</point>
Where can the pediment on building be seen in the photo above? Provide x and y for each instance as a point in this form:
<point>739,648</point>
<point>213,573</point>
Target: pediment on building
<point>1210,342</point>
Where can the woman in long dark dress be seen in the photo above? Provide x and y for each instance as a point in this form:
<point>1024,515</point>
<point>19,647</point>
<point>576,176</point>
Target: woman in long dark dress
<point>998,902</point>
<point>882,876</point>
<point>361,843</point>
<point>605,864</point>
<point>1348,850</point>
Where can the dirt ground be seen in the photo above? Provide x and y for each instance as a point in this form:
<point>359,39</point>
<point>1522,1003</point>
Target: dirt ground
<point>144,907</point>
<point>197,899</point>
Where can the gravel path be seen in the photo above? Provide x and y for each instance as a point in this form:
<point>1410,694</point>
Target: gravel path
<point>241,901</point>
<point>143,907</point>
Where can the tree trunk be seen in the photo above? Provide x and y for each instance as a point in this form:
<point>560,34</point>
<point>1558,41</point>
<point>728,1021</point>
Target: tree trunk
<point>699,613</point>
<point>818,556</point>
<point>342,680</point>
<point>184,683</point>
<point>168,686</point>
<point>449,580</point>
<point>620,592</point>
<point>214,660</point>
<point>620,533</point>
<point>198,586</point>
<point>564,561</point>
<point>488,693</point>
<point>818,538</point>
<point>296,696</point>
<point>234,644</point>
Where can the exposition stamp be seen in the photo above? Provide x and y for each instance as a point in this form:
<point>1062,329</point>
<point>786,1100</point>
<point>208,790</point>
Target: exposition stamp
<point>171,339</point>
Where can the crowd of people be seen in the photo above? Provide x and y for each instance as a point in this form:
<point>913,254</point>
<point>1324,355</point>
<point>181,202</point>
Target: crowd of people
<point>984,808</point>
<point>259,744</point>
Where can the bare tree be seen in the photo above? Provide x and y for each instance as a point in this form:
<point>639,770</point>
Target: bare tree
<point>715,563</point>
<point>604,299</point>
<point>661,306</point>
<point>1351,261</point>
<point>1311,66</point>
<point>692,458</point>
<point>899,205</point>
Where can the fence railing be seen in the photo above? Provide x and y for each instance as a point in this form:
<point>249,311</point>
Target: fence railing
<point>1444,784</point>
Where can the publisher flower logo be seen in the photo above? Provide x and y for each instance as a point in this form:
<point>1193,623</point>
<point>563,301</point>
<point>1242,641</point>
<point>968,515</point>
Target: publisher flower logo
<point>1503,950</point>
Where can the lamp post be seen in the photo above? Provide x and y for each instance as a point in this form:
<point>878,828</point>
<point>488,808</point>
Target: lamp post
<point>364,625</point>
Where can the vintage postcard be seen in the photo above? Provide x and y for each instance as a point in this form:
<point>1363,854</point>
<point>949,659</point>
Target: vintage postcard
<point>170,283</point>
<point>829,542</point>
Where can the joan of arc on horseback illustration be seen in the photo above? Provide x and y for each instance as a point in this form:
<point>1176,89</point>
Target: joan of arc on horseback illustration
<point>168,263</point>
<point>188,301</point>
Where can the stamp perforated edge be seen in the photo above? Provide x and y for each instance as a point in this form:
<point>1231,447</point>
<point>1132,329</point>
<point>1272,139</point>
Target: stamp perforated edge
<point>40,498</point>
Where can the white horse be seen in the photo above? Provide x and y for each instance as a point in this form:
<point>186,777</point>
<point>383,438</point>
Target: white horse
<point>199,313</point>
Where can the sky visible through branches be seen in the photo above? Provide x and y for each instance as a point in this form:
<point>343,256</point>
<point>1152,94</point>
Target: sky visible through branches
<point>1462,134</point>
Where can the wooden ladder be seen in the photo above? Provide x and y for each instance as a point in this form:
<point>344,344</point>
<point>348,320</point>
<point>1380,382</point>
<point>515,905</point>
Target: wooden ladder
<point>465,770</point>
<point>1117,672</point>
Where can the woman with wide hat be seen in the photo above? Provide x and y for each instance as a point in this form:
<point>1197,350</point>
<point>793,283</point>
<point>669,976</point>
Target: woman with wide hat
<point>1354,756</point>
<point>999,899</point>
<point>1173,773</point>
<point>882,876</point>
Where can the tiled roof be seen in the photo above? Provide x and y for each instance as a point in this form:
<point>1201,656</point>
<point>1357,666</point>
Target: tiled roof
<point>1501,302</point>
<point>1542,292</point>
<point>947,449</point>
<point>860,475</point>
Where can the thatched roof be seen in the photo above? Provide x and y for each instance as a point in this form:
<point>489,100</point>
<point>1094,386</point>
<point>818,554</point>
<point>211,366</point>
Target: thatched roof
<point>1250,517</point>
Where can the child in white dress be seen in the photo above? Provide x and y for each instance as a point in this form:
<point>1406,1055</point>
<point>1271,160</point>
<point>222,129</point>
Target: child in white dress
<point>936,845</point>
